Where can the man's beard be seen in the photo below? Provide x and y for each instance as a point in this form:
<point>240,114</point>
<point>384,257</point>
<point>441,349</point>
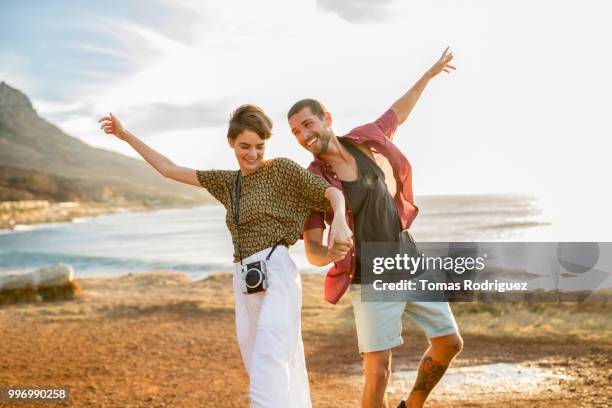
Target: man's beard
<point>324,140</point>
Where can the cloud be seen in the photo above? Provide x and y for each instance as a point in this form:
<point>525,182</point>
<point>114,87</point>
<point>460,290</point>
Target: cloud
<point>146,120</point>
<point>58,112</point>
<point>357,11</point>
<point>162,117</point>
<point>14,70</point>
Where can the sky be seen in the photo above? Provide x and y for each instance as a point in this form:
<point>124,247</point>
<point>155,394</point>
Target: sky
<point>526,111</point>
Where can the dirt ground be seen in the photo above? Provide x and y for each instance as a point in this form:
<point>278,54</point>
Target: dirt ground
<point>160,340</point>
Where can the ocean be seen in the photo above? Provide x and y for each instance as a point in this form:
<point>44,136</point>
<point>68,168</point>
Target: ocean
<point>196,240</point>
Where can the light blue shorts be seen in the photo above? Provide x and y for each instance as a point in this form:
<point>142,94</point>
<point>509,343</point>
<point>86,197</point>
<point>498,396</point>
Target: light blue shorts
<point>379,324</point>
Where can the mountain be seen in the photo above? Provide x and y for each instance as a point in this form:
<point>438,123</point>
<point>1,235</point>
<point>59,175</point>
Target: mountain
<point>39,161</point>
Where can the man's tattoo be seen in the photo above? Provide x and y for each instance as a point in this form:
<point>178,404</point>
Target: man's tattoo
<point>430,372</point>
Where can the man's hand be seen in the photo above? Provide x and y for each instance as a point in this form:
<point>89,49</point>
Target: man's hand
<point>112,126</point>
<point>442,64</point>
<point>403,106</point>
<point>340,236</point>
<point>339,251</point>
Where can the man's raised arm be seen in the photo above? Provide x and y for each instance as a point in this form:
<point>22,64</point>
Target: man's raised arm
<point>403,106</point>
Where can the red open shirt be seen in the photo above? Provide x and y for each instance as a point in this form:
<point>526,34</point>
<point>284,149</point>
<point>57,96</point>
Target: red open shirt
<point>378,136</point>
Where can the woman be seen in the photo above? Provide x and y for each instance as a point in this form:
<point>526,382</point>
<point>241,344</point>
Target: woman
<point>267,203</point>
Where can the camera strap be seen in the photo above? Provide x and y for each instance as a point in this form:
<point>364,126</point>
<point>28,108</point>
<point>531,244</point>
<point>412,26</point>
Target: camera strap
<point>236,217</point>
<point>281,241</point>
<point>236,212</point>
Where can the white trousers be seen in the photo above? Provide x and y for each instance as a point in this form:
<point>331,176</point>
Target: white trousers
<point>268,328</point>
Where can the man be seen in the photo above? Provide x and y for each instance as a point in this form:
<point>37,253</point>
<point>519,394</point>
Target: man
<point>379,207</point>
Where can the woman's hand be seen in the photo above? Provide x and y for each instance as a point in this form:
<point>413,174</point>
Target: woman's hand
<point>340,235</point>
<point>338,252</point>
<point>340,238</point>
<point>112,126</point>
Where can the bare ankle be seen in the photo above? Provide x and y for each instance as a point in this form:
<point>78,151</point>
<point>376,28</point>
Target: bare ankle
<point>413,404</point>
<point>415,400</point>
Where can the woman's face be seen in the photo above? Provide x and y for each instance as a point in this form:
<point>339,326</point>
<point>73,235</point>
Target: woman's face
<point>249,149</point>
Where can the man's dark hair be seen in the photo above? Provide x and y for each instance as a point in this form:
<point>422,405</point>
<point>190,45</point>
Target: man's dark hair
<point>249,117</point>
<point>315,107</point>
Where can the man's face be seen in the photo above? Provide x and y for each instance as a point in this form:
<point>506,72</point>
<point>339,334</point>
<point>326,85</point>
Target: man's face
<point>312,132</point>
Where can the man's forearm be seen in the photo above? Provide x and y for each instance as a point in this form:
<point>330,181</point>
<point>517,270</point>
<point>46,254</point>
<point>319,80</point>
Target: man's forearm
<point>317,254</point>
<point>403,106</point>
<point>160,162</point>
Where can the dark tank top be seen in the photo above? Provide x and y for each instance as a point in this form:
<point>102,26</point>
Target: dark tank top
<point>374,212</point>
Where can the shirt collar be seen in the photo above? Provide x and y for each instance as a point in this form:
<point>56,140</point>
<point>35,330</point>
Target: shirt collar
<point>325,165</point>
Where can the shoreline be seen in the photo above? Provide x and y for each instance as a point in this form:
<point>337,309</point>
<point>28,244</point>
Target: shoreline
<point>15,215</point>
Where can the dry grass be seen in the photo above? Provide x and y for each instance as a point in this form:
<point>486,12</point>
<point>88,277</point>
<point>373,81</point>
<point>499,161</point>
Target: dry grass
<point>161,340</point>
<point>562,321</point>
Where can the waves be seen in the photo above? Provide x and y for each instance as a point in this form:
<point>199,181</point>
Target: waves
<point>94,265</point>
<point>196,240</point>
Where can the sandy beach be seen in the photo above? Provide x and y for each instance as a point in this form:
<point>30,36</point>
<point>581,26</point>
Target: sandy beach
<point>161,340</point>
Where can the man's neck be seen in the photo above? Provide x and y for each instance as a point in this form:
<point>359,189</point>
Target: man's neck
<point>336,153</point>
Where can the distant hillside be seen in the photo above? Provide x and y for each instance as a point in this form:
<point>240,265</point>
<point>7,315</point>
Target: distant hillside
<point>18,184</point>
<point>39,161</point>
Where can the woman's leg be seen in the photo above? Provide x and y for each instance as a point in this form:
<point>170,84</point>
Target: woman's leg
<point>278,374</point>
<point>299,386</point>
<point>246,315</point>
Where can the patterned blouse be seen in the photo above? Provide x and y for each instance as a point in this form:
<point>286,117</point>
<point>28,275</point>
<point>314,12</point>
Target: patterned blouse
<point>275,200</point>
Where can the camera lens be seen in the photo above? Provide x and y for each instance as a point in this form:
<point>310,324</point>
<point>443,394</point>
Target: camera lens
<point>253,278</point>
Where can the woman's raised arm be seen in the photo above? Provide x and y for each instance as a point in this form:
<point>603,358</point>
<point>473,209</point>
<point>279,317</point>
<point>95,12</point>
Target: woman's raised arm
<point>166,167</point>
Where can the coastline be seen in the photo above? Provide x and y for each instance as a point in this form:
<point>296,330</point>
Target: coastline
<point>160,339</point>
<point>34,212</point>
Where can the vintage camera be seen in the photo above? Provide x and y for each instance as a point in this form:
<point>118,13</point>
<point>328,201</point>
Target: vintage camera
<point>254,277</point>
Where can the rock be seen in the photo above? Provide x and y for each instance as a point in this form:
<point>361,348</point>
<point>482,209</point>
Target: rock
<point>56,275</point>
<point>15,280</point>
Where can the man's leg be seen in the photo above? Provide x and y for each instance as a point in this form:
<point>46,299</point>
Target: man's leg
<point>377,369</point>
<point>441,352</point>
<point>437,321</point>
<point>379,328</point>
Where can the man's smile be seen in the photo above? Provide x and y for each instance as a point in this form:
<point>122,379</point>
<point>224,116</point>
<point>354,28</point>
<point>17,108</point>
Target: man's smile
<point>311,141</point>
